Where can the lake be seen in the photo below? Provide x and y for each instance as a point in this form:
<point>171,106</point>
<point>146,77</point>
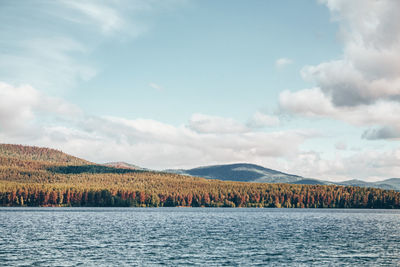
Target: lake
<point>198,236</point>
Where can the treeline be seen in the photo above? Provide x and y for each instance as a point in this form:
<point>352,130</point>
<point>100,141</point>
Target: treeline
<point>272,195</point>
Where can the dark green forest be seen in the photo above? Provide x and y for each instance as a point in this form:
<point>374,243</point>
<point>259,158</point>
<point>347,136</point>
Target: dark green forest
<point>32,176</point>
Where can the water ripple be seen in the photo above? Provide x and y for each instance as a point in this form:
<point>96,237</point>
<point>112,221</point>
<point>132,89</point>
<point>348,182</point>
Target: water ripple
<point>200,237</point>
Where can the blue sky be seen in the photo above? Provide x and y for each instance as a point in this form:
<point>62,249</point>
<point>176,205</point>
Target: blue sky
<point>307,87</point>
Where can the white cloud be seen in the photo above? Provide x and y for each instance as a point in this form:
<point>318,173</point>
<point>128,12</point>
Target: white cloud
<point>307,102</point>
<point>313,103</point>
<point>20,106</point>
<point>282,62</point>
<point>368,165</point>
<point>260,120</point>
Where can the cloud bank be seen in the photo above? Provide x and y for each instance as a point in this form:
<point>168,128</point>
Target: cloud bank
<point>204,139</point>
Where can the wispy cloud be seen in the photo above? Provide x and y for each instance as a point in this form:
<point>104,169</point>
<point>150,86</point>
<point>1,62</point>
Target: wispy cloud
<point>107,18</point>
<point>156,86</point>
<point>282,62</point>
<point>51,46</point>
<point>110,17</point>
<point>46,62</point>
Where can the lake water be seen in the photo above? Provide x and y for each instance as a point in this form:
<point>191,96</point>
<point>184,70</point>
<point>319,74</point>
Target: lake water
<point>198,236</point>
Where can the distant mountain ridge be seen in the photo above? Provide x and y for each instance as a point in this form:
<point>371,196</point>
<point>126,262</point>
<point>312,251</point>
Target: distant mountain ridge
<point>245,172</point>
<point>389,184</point>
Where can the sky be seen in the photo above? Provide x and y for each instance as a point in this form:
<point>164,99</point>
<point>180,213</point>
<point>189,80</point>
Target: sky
<point>309,87</point>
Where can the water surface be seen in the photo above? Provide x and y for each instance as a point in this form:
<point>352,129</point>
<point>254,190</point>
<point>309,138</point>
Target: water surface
<point>198,236</point>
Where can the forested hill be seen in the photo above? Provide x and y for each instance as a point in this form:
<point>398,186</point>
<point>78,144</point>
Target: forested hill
<point>33,153</point>
<point>32,176</point>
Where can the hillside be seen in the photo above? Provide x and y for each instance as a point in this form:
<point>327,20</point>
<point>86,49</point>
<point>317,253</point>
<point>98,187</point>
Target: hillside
<point>31,176</point>
<point>33,153</point>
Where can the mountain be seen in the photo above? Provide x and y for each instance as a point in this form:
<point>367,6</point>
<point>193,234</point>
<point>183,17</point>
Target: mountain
<point>395,182</point>
<point>123,165</point>
<point>244,172</point>
<point>241,172</point>
<point>389,184</point>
